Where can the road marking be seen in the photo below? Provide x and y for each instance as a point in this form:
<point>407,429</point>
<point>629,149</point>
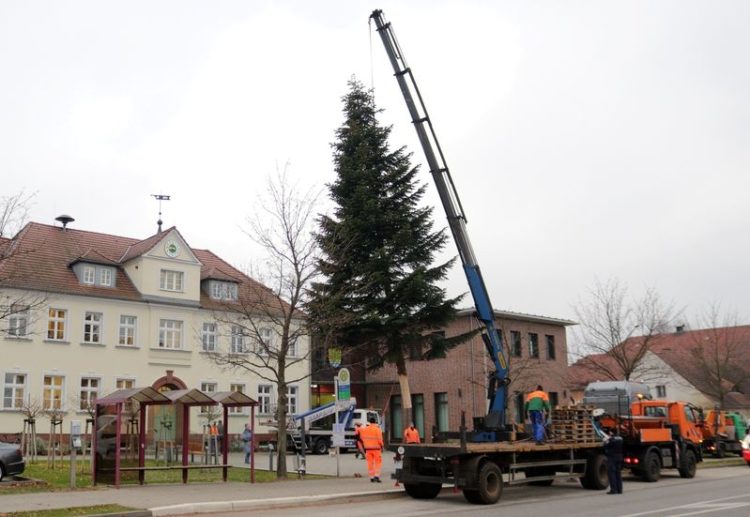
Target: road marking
<point>717,503</point>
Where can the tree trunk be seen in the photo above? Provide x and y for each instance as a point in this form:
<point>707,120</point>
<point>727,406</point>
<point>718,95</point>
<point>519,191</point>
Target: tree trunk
<point>406,412</point>
<point>281,411</point>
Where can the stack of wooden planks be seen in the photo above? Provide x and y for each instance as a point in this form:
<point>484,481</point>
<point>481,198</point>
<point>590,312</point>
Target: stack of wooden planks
<point>573,424</point>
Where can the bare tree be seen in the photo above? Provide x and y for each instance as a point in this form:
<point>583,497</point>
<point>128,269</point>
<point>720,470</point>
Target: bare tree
<point>14,212</point>
<point>30,407</point>
<point>266,325</point>
<point>616,332</point>
<point>718,354</point>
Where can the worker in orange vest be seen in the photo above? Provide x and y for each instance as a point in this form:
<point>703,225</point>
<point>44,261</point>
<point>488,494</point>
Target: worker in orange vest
<point>536,407</point>
<point>411,434</point>
<point>358,441</point>
<point>372,441</point>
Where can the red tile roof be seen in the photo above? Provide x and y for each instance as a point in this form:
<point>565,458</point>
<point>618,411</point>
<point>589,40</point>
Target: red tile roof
<point>41,256</point>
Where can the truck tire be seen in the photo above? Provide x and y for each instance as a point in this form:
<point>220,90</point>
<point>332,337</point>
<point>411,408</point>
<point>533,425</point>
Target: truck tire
<point>689,463</point>
<point>489,483</point>
<point>472,496</point>
<point>596,477</point>
<point>423,490</point>
<point>651,470</point>
<point>320,446</point>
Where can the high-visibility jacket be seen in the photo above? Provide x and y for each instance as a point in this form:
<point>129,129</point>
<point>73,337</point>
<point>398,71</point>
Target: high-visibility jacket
<point>537,401</point>
<point>214,430</point>
<point>411,435</point>
<point>371,437</point>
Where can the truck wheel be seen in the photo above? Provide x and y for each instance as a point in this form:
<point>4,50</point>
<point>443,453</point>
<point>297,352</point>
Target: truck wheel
<point>472,496</point>
<point>651,468</point>
<point>423,490</point>
<point>596,477</point>
<point>490,483</point>
<point>688,465</point>
<point>320,446</point>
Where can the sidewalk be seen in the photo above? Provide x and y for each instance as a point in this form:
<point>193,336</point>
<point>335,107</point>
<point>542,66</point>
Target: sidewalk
<point>207,497</point>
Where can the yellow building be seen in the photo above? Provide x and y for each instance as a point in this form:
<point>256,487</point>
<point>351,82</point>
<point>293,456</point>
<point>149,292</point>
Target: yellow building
<point>83,314</point>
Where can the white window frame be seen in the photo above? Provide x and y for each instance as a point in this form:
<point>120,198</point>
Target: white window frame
<point>121,383</point>
<point>53,388</point>
<point>92,327</point>
<point>57,324</point>
<point>170,334</point>
<point>16,400</point>
<point>105,276</point>
<point>18,320</point>
<point>170,280</point>
<point>292,398</point>
<point>85,399</point>
<point>265,399</point>
<point>88,276</point>
<point>208,336</point>
<point>293,349</point>
<point>208,387</point>
<point>223,290</point>
<point>661,391</point>
<point>237,410</point>
<point>238,343</point>
<point>266,340</point>
<point>127,329</point>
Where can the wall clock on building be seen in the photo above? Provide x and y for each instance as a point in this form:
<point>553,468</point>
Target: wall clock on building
<point>171,248</point>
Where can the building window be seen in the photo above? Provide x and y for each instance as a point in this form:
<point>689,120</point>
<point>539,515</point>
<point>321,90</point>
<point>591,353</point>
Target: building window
<point>520,404</point>
<point>208,337</point>
<point>89,275</point>
<point>554,399</point>
<point>417,410</point>
<point>441,412</point>
<point>292,347</point>
<point>515,343</point>
<point>551,354</point>
<point>208,387</point>
<point>92,327</point>
<point>18,320</point>
<point>54,385</point>
<point>170,280</point>
<point>223,290</point>
<point>239,388</point>
<point>238,340</point>
<point>292,393</point>
<point>89,393</point>
<point>127,331</point>
<point>105,276</point>
<point>661,391</point>
<point>125,384</point>
<point>397,427</point>
<point>264,399</point>
<point>14,390</point>
<point>533,344</point>
<point>56,325</point>
<point>266,340</point>
<point>170,334</point>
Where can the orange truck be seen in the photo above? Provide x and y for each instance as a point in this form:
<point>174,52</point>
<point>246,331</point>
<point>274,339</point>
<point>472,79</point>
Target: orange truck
<point>722,433</point>
<point>659,434</point>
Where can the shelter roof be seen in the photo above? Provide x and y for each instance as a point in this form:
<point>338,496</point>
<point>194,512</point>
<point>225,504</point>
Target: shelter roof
<point>233,399</point>
<point>190,397</point>
<point>147,395</point>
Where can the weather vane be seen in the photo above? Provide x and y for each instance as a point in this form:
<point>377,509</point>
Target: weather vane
<point>160,198</point>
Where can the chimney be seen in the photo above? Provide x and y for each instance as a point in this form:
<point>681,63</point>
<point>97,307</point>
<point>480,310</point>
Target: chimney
<point>64,219</point>
<point>679,329</point>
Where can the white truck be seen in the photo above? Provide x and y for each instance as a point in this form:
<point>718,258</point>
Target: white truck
<point>316,425</point>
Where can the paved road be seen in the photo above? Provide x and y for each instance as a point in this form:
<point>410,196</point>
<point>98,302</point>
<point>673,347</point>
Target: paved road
<point>715,492</point>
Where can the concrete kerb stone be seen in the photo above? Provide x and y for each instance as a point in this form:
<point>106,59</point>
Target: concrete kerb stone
<point>270,504</point>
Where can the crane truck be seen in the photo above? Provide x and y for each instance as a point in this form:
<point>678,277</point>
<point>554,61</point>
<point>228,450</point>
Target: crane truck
<point>482,460</point>
<point>314,428</point>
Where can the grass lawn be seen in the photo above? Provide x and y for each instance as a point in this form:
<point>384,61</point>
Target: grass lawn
<point>72,512</point>
<point>59,477</point>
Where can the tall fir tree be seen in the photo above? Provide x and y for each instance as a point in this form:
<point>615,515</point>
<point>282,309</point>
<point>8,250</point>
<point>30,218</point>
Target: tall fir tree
<point>379,289</point>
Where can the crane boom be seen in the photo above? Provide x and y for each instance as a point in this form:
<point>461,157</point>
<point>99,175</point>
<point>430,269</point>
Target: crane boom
<point>498,381</point>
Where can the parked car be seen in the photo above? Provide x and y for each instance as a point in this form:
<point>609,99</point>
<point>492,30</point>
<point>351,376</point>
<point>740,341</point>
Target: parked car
<point>11,460</point>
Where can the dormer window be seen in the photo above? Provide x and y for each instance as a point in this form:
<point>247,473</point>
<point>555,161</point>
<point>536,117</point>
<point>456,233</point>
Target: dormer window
<point>95,274</point>
<point>170,280</point>
<point>223,290</point>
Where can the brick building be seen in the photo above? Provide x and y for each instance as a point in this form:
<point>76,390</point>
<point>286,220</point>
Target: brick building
<point>444,388</point>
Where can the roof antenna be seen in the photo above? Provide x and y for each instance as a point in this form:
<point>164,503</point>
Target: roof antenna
<point>64,219</point>
<point>160,198</point>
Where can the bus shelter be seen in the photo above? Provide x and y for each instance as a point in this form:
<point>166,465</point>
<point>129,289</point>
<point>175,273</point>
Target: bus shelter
<point>120,439</point>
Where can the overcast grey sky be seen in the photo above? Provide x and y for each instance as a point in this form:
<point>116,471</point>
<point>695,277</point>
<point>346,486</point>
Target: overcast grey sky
<point>586,139</point>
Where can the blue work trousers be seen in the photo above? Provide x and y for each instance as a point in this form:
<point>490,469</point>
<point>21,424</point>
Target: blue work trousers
<point>537,425</point>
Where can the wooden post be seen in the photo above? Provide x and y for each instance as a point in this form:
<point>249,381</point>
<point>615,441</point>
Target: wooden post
<point>142,445</point>
<point>185,440</point>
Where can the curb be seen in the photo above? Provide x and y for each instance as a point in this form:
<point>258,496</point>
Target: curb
<point>134,513</point>
<point>268,504</point>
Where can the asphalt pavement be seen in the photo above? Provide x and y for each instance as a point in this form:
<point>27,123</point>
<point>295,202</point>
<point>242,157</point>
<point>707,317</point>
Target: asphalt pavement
<point>164,499</point>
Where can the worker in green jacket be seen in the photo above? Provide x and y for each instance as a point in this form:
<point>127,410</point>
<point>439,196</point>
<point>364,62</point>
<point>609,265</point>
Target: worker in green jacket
<point>537,404</point>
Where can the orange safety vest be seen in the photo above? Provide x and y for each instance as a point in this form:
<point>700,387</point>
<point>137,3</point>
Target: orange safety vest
<point>411,435</point>
<point>537,395</point>
<point>214,430</point>
<point>371,437</point>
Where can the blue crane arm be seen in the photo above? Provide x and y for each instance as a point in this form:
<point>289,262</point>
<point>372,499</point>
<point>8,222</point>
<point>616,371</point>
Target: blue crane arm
<point>497,392</point>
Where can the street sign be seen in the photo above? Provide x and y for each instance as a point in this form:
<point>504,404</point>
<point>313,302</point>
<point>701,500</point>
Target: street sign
<point>344,385</point>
